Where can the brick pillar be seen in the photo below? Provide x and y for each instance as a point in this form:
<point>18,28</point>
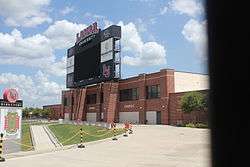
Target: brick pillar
<point>81,112</point>
<point>72,103</point>
<point>62,102</point>
<point>76,104</point>
<point>79,104</point>
<point>166,87</point>
<point>112,103</point>
<point>98,101</point>
<point>142,99</point>
<point>106,93</point>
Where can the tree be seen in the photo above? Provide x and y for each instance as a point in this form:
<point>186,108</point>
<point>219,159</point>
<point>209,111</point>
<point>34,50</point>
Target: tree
<point>46,113</point>
<point>25,113</point>
<point>193,102</point>
<point>36,112</point>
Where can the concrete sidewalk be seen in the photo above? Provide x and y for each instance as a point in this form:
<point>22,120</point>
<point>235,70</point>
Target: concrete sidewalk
<point>154,146</point>
<point>41,140</point>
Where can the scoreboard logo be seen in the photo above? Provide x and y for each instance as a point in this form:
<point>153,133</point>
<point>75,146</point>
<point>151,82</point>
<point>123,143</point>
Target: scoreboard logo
<point>92,29</point>
<point>106,71</point>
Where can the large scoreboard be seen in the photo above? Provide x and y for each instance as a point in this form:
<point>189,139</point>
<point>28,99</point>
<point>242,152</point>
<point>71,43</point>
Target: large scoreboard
<point>95,57</point>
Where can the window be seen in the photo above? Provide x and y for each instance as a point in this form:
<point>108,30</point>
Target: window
<point>153,91</point>
<point>91,99</point>
<point>129,94</point>
<point>66,101</point>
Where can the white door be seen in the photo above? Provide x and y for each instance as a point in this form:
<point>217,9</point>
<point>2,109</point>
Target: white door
<point>91,117</point>
<point>151,117</point>
<point>132,117</point>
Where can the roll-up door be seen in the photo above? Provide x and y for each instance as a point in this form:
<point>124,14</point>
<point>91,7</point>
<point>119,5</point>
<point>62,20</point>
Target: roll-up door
<point>132,117</point>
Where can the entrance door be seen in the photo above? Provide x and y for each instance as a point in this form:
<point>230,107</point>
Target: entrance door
<point>158,117</point>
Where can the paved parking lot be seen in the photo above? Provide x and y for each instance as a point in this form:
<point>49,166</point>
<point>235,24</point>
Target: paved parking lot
<point>161,146</point>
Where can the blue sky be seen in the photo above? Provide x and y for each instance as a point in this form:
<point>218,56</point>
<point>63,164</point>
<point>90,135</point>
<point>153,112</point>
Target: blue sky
<point>34,38</point>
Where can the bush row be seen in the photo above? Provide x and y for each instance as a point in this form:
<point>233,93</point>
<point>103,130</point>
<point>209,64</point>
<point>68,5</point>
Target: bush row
<point>197,125</point>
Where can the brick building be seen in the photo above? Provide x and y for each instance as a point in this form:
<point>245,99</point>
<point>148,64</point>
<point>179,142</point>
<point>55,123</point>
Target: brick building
<point>153,98</point>
<point>56,111</point>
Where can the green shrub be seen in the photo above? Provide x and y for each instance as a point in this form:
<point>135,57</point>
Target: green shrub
<point>190,125</point>
<point>201,125</point>
<point>197,125</point>
<point>193,101</point>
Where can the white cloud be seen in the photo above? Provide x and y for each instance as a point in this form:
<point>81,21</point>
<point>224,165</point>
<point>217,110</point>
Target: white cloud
<point>141,26</point>
<point>26,13</point>
<point>189,7</point>
<point>31,51</point>
<point>95,16</point>
<point>142,53</point>
<point>37,90</point>
<point>107,23</point>
<point>38,50</point>
<point>57,67</point>
<point>164,10</point>
<point>62,34</point>
<point>152,20</point>
<point>67,10</point>
<point>195,32</point>
<point>35,51</point>
<point>99,18</point>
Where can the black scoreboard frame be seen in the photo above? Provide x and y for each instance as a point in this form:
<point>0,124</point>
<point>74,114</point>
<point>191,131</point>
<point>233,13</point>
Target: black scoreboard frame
<point>108,70</point>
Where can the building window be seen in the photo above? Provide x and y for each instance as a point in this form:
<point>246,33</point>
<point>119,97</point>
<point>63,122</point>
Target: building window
<point>66,101</point>
<point>91,99</point>
<point>129,94</point>
<point>153,91</point>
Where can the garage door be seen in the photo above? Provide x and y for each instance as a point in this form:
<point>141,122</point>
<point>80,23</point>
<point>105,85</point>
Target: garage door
<point>91,117</point>
<point>132,117</point>
<point>151,117</point>
<point>66,116</point>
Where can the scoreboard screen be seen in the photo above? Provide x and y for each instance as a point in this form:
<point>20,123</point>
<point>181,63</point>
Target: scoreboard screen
<point>86,64</point>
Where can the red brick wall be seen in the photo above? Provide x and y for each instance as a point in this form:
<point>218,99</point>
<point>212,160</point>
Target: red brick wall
<point>177,116</point>
<point>56,111</point>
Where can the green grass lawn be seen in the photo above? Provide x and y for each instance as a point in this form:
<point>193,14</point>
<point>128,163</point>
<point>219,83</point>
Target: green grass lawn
<point>63,132</point>
<point>26,138</point>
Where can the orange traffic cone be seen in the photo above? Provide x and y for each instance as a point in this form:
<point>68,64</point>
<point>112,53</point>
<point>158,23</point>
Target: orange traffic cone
<point>126,126</point>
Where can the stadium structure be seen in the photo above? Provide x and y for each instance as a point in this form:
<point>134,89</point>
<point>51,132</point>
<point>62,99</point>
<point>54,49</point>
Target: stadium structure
<point>97,93</point>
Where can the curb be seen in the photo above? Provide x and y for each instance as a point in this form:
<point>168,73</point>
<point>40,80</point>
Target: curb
<point>32,137</point>
<point>52,137</point>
